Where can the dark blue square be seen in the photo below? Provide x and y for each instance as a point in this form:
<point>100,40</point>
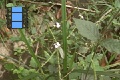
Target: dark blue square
<point>16,9</point>
<point>16,16</point>
<point>17,25</point>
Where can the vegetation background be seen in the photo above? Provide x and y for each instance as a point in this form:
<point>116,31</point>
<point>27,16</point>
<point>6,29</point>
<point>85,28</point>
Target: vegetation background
<point>65,40</point>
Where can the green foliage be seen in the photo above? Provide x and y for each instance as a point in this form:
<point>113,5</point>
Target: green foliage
<point>9,66</point>
<point>25,74</point>
<point>117,4</point>
<point>33,63</point>
<point>87,29</point>
<point>112,45</point>
<point>83,42</point>
<point>10,5</point>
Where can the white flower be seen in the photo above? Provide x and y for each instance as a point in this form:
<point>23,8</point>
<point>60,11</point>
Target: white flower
<point>57,25</point>
<point>81,16</point>
<point>57,45</point>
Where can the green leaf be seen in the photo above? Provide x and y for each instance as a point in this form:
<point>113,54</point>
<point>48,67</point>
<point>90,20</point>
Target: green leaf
<point>74,76</point>
<point>83,49</point>
<point>33,63</point>
<point>96,65</point>
<point>112,45</point>
<point>117,3</point>
<point>25,72</point>
<point>9,5</point>
<point>18,71</point>
<point>9,66</point>
<point>87,29</point>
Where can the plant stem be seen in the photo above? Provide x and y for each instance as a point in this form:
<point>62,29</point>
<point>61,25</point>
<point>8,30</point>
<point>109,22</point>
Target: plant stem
<point>64,33</point>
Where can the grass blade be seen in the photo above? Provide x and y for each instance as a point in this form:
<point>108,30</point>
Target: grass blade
<point>29,48</point>
<point>64,33</point>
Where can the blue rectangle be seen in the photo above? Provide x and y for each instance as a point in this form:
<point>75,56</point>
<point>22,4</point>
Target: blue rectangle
<point>17,25</point>
<point>16,16</point>
<point>16,9</point>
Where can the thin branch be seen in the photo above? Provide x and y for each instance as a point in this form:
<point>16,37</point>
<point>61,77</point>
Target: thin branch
<point>68,6</point>
<point>57,4</point>
<point>68,73</point>
<point>104,16</point>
